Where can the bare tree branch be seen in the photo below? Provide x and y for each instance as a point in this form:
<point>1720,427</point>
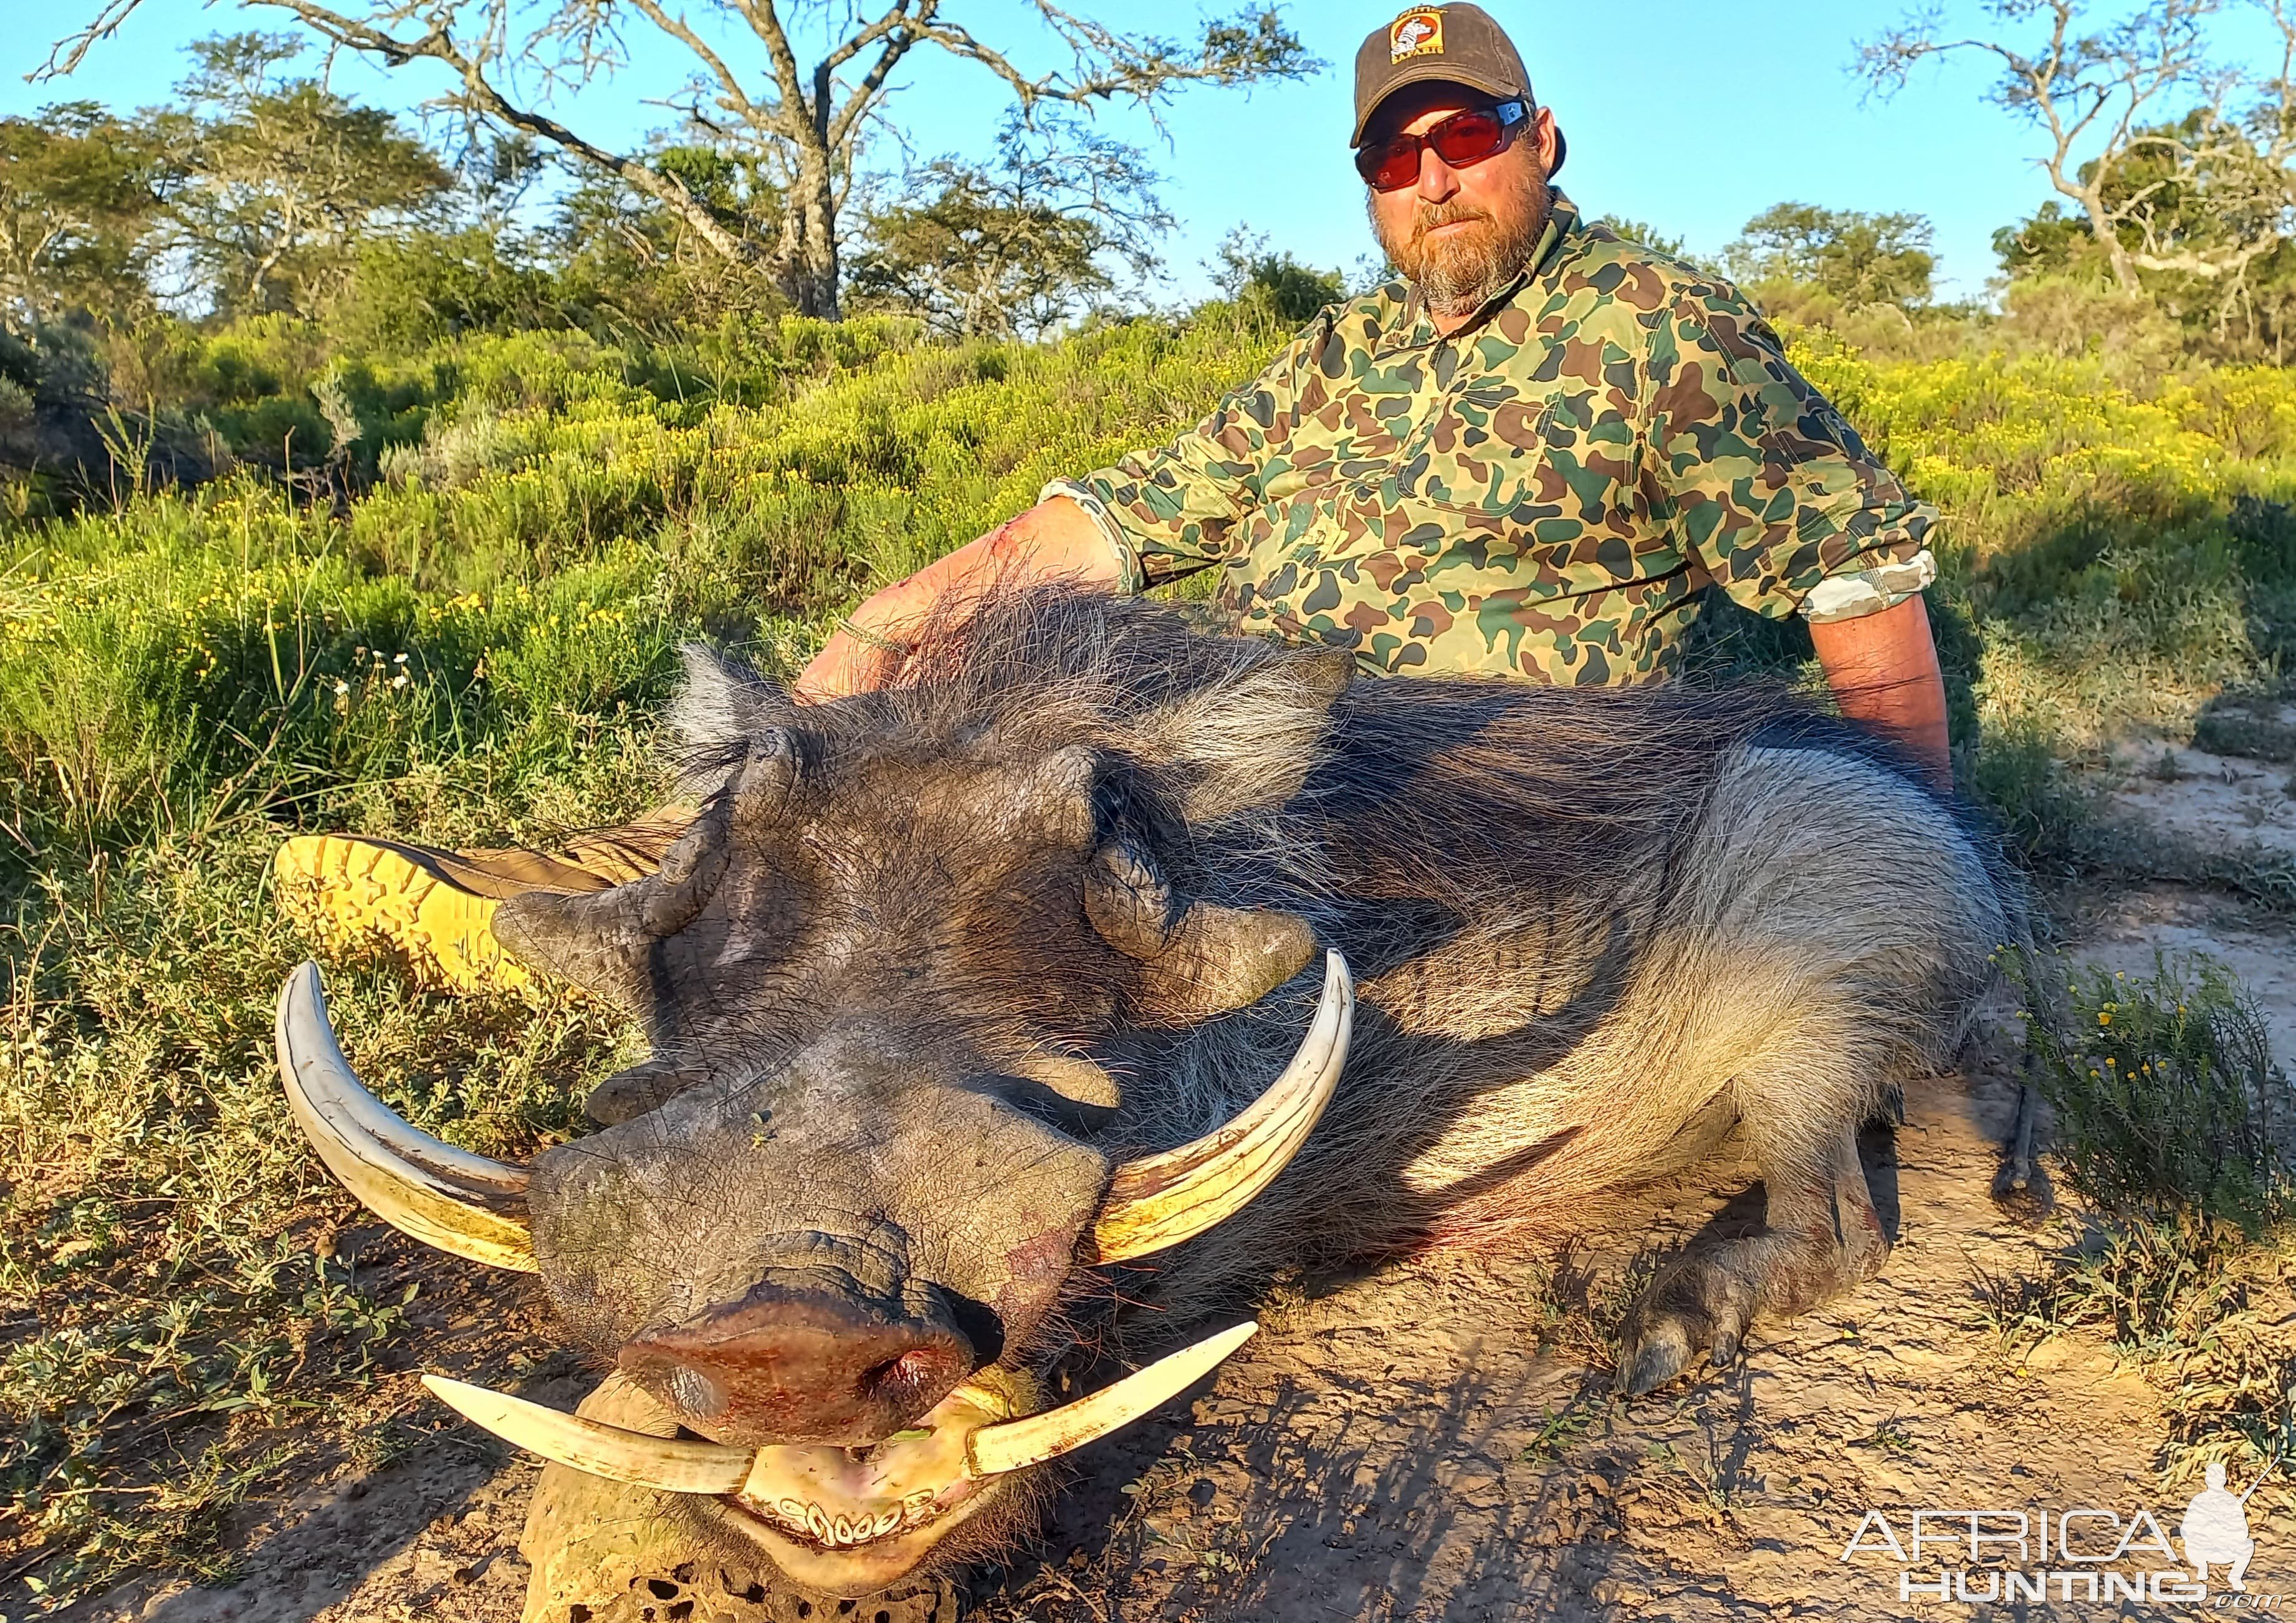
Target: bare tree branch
<point>2083,88</point>
<point>803,125</point>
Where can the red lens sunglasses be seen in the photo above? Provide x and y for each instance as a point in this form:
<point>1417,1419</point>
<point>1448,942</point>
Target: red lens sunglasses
<point>1462,139</point>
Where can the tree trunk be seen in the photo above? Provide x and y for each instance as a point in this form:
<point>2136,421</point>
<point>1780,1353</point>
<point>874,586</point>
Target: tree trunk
<point>814,275</point>
<point>813,278</point>
<point>2107,233</point>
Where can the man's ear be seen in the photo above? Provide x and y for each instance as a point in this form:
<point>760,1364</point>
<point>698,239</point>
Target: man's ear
<point>1250,742</point>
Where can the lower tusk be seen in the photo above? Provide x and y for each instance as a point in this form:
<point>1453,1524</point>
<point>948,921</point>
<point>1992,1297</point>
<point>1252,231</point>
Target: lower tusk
<point>665,1464</point>
<point>1036,1439</point>
<point>677,1466</point>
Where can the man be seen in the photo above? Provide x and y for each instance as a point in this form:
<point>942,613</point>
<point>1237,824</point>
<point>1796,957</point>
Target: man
<point>1528,456</point>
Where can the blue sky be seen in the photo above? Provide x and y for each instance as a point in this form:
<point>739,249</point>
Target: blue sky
<point>1692,117</point>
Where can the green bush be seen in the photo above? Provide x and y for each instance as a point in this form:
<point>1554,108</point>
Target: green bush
<point>2166,1097</point>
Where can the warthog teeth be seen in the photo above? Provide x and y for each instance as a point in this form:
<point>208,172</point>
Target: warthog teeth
<point>460,1203</point>
<point>1160,1199</point>
<point>809,1520</point>
<point>1013,1444</point>
<point>680,1466</point>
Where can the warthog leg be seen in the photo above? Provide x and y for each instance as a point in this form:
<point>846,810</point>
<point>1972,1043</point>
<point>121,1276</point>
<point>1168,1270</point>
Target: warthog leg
<point>1822,1235</point>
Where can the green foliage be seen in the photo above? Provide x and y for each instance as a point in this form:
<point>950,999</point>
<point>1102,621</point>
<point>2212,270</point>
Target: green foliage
<point>2165,1095</point>
<point>2197,209</point>
<point>210,1318</point>
<point>1017,245</point>
<point>1275,285</point>
<point>79,189</point>
<point>1859,259</point>
<point>429,287</point>
<point>281,178</point>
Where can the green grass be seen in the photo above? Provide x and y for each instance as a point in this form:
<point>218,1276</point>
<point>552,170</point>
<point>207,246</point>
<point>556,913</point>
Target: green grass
<point>476,648</point>
<point>2172,1124</point>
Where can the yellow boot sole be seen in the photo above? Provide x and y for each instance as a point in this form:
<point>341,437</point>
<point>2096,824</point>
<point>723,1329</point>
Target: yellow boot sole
<point>349,891</point>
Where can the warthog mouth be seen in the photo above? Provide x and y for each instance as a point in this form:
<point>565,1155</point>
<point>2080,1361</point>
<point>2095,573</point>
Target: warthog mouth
<point>843,1520</point>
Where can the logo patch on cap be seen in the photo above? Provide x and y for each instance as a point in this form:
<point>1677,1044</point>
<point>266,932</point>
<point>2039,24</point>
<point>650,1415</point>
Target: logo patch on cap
<point>1415,34</point>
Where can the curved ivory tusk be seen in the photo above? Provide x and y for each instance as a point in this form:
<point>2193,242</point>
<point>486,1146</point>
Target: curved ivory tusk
<point>667,1465</point>
<point>673,1465</point>
<point>446,1197</point>
<point>1160,1199</point>
<point>1011,1445</point>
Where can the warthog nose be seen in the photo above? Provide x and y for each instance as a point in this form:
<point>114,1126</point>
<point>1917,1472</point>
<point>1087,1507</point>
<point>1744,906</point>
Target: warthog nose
<point>790,1365</point>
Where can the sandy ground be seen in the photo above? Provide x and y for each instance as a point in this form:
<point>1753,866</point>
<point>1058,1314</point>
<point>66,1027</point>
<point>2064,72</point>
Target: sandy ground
<point>2224,800</point>
<point>1438,1441</point>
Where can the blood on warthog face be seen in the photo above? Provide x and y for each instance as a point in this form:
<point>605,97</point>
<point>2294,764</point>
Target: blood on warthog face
<point>828,1227</point>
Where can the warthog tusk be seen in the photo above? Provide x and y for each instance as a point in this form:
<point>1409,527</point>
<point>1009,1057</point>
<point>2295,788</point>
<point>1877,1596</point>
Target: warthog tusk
<point>1032,1440</point>
<point>667,1464</point>
<point>446,1197</point>
<point>677,1466</point>
<point>1160,1199</point>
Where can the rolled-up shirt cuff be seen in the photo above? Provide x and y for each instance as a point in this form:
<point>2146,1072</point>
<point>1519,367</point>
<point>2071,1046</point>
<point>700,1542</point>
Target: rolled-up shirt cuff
<point>1128,558</point>
<point>1859,593</point>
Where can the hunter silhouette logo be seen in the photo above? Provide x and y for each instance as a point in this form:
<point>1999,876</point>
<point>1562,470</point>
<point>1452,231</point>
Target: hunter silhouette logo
<point>1415,34</point>
<point>2216,1528</point>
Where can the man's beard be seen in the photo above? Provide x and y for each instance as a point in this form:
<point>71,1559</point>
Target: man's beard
<point>1460,271</point>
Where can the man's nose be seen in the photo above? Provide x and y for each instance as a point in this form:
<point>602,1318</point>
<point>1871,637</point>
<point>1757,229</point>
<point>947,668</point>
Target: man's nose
<point>1438,181</point>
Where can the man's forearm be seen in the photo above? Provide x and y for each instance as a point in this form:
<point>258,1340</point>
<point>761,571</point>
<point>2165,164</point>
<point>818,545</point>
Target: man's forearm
<point>1883,670</point>
<point>1055,540</point>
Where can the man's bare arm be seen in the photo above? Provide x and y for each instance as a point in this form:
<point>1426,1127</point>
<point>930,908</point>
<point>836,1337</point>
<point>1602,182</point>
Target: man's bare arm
<point>1055,540</point>
<point>1883,670</point>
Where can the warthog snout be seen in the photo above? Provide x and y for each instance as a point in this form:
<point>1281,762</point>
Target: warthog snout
<point>806,1363</point>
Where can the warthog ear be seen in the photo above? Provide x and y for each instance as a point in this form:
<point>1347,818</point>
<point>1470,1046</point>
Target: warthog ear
<point>1248,741</point>
<point>1198,959</point>
<point>719,708</point>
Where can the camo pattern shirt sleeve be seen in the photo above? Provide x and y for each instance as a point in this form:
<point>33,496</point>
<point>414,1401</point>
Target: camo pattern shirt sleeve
<point>1770,489</point>
<point>1175,510</point>
<point>1545,493</point>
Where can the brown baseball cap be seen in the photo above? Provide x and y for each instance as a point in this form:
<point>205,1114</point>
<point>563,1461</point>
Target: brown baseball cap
<point>1453,45</point>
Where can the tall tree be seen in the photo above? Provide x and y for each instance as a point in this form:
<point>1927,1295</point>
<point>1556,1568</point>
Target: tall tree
<point>282,178</point>
<point>1017,245</point>
<point>1859,259</point>
<point>750,93</point>
<point>2108,100</point>
<point>78,190</point>
<point>1247,270</point>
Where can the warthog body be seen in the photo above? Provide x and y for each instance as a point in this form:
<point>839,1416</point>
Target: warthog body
<point>937,959</point>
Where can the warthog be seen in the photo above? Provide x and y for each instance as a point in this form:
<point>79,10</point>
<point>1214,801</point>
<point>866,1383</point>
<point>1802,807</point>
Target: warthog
<point>964,999</point>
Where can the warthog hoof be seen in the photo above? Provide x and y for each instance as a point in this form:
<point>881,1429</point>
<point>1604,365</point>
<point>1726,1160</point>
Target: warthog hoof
<point>1821,1240</point>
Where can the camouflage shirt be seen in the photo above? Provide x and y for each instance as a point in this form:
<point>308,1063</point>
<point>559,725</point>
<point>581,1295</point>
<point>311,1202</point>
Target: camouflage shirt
<point>1543,494</point>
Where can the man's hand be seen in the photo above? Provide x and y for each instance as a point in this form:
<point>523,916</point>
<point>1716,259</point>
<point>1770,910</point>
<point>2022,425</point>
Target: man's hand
<point>1055,540</point>
<point>1883,670</point>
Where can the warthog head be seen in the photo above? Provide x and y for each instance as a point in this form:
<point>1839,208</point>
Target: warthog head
<point>844,1219</point>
